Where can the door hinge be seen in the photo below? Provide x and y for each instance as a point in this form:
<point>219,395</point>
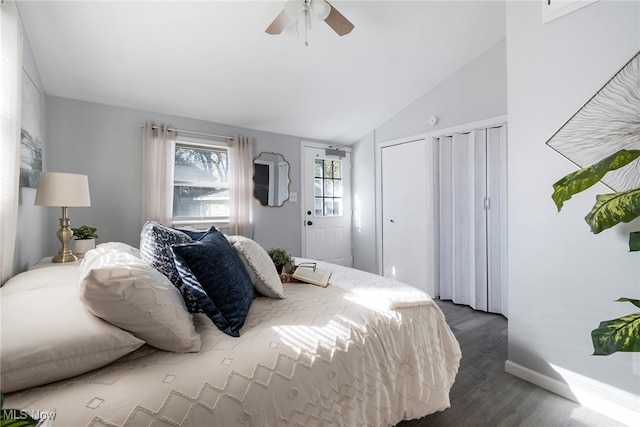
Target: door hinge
<point>486,203</point>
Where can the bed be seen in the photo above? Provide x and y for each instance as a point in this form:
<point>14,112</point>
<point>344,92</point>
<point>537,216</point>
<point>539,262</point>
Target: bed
<point>365,350</point>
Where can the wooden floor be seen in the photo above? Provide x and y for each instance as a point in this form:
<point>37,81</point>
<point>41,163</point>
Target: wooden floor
<point>485,395</point>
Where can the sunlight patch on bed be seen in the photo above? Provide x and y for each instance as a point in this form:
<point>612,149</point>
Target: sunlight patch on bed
<point>377,300</point>
<point>307,338</point>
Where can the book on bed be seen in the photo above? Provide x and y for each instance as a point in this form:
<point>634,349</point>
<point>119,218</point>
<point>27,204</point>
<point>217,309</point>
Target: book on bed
<point>307,272</point>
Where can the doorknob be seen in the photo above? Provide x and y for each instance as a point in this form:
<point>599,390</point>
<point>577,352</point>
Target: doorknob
<point>309,223</point>
<point>308,212</point>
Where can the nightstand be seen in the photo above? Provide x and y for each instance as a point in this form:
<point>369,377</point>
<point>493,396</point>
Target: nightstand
<point>46,263</point>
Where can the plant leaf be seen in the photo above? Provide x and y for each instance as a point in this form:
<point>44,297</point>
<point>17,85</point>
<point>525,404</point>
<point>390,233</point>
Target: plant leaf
<point>24,419</point>
<point>621,334</point>
<point>611,209</point>
<point>635,302</point>
<point>584,178</point>
<point>634,241</point>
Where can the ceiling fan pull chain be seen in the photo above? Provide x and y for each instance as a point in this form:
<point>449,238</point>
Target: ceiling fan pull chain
<point>306,24</point>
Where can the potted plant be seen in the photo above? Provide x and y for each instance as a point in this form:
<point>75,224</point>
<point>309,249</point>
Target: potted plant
<point>280,258</point>
<point>84,239</point>
<point>622,334</point>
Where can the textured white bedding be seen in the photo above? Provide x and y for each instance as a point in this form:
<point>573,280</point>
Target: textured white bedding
<point>363,351</point>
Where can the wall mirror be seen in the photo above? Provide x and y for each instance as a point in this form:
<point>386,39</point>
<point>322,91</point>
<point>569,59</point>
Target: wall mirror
<point>271,179</point>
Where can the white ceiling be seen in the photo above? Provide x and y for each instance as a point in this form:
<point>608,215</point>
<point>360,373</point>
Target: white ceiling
<point>212,60</point>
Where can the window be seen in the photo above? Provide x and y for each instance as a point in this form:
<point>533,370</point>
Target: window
<point>328,187</point>
<point>201,182</point>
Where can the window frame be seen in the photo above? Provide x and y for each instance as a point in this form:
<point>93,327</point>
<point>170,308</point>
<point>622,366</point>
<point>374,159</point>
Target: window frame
<point>198,221</point>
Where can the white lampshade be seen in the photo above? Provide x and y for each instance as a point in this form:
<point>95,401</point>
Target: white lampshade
<point>62,189</point>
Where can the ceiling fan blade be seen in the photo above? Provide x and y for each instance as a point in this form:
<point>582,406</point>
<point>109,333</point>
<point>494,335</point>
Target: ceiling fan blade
<point>338,22</point>
<point>278,24</point>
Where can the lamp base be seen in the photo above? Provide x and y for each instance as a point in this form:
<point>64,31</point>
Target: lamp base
<point>64,235</point>
<point>63,256</point>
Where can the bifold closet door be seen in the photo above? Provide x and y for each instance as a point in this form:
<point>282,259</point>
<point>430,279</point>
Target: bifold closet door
<point>462,228</point>
<point>496,209</point>
<point>471,217</point>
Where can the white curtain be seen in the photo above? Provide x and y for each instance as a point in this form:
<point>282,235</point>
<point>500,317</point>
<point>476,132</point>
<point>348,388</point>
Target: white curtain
<point>240,186</point>
<point>11,54</point>
<point>158,151</point>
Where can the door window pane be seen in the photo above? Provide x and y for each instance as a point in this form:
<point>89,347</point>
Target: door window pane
<point>318,206</point>
<point>318,169</point>
<point>328,188</point>
<point>337,188</point>
<point>337,169</point>
<point>328,207</point>
<point>337,207</point>
<point>317,187</point>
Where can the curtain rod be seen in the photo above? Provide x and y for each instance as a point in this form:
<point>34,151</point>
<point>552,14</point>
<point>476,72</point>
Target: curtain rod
<point>229,138</point>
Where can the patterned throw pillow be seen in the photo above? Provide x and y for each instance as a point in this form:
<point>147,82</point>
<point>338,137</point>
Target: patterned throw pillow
<point>214,274</point>
<point>259,265</point>
<point>155,248</point>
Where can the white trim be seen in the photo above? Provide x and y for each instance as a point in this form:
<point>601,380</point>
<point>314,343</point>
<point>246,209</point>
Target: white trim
<point>468,127</point>
<point>609,401</point>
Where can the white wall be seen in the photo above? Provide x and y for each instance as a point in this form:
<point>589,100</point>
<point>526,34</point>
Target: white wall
<point>476,92</point>
<point>104,142</point>
<point>562,279</point>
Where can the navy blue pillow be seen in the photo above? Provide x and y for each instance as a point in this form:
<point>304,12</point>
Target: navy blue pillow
<point>195,235</point>
<point>214,275</point>
<point>155,248</point>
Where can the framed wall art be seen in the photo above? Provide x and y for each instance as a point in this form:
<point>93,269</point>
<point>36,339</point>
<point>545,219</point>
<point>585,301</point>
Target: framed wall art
<point>30,133</point>
<point>554,9</point>
<point>607,123</point>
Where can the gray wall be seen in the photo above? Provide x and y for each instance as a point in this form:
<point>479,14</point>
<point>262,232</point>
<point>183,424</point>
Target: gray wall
<point>104,142</point>
<point>563,280</point>
<point>476,92</point>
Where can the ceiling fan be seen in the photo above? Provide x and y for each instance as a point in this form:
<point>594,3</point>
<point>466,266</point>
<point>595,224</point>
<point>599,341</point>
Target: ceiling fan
<point>303,9</point>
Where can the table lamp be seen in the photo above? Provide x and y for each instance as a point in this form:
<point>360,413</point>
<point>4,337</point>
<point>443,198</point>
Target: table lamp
<point>64,190</point>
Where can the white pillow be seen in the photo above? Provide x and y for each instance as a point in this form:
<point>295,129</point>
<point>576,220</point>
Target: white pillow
<point>127,292</point>
<point>263,273</point>
<point>48,335</point>
<point>110,247</point>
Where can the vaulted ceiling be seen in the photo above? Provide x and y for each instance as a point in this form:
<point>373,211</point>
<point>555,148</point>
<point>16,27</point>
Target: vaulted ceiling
<point>212,60</point>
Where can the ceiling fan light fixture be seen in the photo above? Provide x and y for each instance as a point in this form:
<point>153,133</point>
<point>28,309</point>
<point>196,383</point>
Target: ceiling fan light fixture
<point>320,8</point>
<point>300,10</point>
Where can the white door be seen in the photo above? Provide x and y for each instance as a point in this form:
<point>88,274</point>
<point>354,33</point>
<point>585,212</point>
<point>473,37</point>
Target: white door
<point>407,213</point>
<point>326,230</point>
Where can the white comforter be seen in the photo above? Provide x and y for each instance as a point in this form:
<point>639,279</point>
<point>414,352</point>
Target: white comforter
<point>363,351</point>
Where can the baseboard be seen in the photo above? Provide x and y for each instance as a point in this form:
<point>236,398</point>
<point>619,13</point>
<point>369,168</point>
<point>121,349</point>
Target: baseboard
<point>614,403</point>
